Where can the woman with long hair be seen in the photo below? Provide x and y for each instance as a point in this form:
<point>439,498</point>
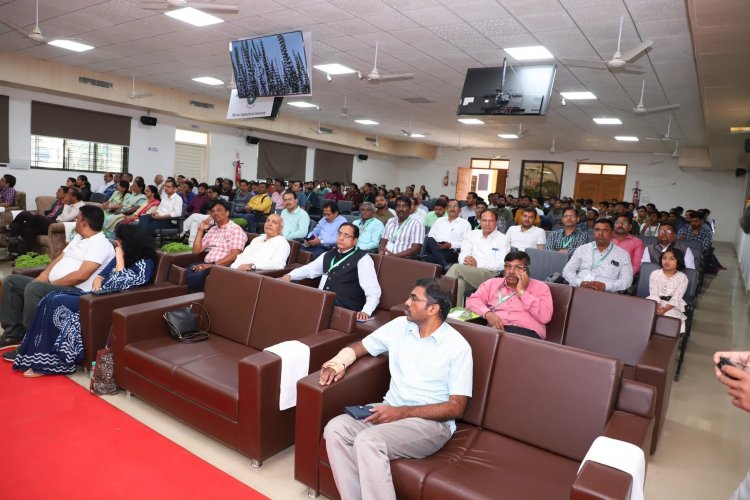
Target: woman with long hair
<point>53,343</point>
<point>132,201</point>
<point>152,203</point>
<point>82,183</point>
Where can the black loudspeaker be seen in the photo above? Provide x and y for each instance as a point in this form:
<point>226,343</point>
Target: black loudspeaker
<point>148,120</point>
<point>747,145</point>
<point>251,140</point>
<point>362,157</point>
<point>739,172</point>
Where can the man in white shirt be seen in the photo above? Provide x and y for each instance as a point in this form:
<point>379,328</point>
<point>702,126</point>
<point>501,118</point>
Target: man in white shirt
<point>76,267</point>
<point>527,234</point>
<point>170,206</point>
<point>481,258</point>
<point>269,251</point>
<point>108,181</point>
<point>446,236</point>
<point>469,210</point>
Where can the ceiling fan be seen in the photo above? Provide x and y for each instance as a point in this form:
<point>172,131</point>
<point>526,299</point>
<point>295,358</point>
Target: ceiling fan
<point>674,154</point>
<point>376,77</point>
<point>412,133</point>
<point>35,34</point>
<point>552,149</point>
<point>134,95</point>
<point>322,130</point>
<point>640,109</point>
<point>345,110</point>
<point>218,8</point>
<point>620,60</point>
<point>666,137</point>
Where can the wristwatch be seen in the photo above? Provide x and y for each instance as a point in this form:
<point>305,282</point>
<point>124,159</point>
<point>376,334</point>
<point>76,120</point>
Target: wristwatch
<point>252,267</point>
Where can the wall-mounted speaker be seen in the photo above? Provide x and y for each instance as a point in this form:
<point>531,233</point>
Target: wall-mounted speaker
<point>362,157</point>
<point>739,172</point>
<point>252,140</point>
<point>148,120</point>
<point>747,145</point>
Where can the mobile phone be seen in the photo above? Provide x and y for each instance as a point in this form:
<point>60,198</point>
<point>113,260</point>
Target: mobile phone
<point>358,412</point>
<point>724,361</point>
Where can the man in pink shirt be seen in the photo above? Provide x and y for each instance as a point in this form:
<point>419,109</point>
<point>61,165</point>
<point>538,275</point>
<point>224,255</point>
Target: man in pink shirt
<point>515,303</point>
<point>631,244</point>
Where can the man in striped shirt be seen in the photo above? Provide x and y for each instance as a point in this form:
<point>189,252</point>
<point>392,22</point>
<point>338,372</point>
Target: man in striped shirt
<point>570,236</point>
<point>403,234</point>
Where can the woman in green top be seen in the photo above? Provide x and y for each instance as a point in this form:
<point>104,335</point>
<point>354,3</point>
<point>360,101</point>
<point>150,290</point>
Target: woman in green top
<point>131,202</point>
<point>114,202</point>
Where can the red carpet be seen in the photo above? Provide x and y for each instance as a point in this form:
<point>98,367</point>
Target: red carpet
<point>62,442</point>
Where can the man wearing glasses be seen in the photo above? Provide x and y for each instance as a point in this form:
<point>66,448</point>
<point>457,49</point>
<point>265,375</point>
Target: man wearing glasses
<point>623,239</point>
<point>570,236</point>
<point>431,371</point>
<point>346,270</point>
<point>370,229</point>
<point>667,239</point>
<point>514,303</point>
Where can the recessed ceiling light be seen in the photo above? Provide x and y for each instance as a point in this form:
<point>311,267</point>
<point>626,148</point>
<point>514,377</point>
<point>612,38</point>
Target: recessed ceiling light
<point>607,121</point>
<point>70,45</point>
<point>367,122</point>
<point>471,121</point>
<point>416,134</point>
<point>208,80</point>
<point>529,53</point>
<point>577,96</point>
<point>194,16</point>
<point>302,104</point>
<point>334,69</point>
<point>739,130</point>
<point>626,138</point>
<point>508,136</point>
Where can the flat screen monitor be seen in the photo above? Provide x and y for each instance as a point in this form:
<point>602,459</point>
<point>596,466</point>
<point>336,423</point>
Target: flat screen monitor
<point>269,66</point>
<point>526,90</point>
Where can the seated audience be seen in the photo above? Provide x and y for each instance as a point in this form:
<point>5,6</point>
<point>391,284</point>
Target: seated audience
<point>335,193</point>
<point>479,207</point>
<point>259,206</point>
<point>418,414</point>
<point>527,234</point>
<point>108,181</point>
<point>346,270</point>
<point>370,229</point>
<point>152,205</point>
<point>169,207</point>
<point>437,212</point>
<point>296,220</point>
<point>76,267</point>
<point>667,239</point>
<point>570,236</point>
<point>446,236</point>
<point>7,191</point>
<point>469,210</point>
<point>267,252</point>
<point>600,265</point>
<point>625,240</point>
<point>667,286</point>
<point>354,196</point>
<point>696,230</point>
<point>523,203</point>
<point>323,236</point>
<point>191,224</point>
<point>503,213</point>
<point>277,197</point>
<point>130,203</point>
<point>53,343</point>
<point>15,228</point>
<point>227,189</point>
<point>555,215</point>
<point>221,238</point>
<point>115,200</point>
<point>514,303</point>
<point>382,212</point>
<point>82,183</point>
<point>481,258</point>
<point>241,199</point>
<point>195,206</point>
<point>651,225</point>
<point>313,201</point>
<point>297,189</point>
<point>403,235</point>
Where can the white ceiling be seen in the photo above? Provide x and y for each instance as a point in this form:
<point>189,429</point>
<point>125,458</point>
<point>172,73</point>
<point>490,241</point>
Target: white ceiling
<point>437,40</point>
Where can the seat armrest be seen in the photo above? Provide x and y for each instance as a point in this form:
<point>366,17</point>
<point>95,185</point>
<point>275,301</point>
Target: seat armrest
<point>397,311</point>
<point>631,428</point>
<point>177,275</point>
<point>31,272</point>
<point>598,481</point>
<point>185,258</point>
<point>658,357</point>
<point>304,257</point>
<point>637,398</point>
<point>343,320</point>
<point>366,381</point>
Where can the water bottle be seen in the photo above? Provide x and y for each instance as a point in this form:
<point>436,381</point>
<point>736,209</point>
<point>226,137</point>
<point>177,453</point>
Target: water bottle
<point>93,367</point>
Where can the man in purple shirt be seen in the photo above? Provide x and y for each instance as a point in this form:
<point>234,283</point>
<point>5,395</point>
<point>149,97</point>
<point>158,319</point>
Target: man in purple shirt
<point>199,201</point>
<point>7,193</point>
<point>515,303</point>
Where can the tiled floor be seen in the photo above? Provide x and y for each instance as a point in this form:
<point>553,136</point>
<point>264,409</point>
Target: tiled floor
<point>702,454</point>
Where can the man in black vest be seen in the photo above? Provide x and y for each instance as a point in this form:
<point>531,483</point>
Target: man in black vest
<point>667,240</point>
<point>347,271</point>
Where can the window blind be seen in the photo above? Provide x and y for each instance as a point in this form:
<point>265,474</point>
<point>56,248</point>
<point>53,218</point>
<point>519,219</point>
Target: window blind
<point>281,161</point>
<point>52,120</point>
<point>333,166</point>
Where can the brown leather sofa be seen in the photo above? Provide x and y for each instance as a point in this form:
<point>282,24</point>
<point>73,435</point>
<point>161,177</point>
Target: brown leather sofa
<point>535,411</point>
<point>227,386</point>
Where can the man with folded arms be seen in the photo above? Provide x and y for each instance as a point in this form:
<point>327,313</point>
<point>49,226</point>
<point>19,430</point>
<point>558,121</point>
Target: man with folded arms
<point>296,220</point>
<point>481,258</point>
<point>403,235</point>
<point>346,270</point>
<point>267,252</point>
<point>570,236</point>
<point>418,414</point>
<point>370,229</point>
<point>446,237</point>
<point>600,265</point>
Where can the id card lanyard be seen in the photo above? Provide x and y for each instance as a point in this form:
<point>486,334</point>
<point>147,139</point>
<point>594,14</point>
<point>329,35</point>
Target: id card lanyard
<point>501,298</point>
<point>334,264</point>
<point>401,227</point>
<point>597,262</point>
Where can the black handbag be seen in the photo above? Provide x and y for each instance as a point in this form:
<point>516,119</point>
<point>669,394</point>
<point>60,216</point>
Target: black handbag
<point>185,324</point>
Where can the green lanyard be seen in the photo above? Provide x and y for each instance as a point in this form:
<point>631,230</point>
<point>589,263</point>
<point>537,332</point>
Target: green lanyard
<point>567,240</point>
<point>335,264</point>
<point>362,229</point>
<point>596,263</point>
<point>401,227</point>
<point>501,299</point>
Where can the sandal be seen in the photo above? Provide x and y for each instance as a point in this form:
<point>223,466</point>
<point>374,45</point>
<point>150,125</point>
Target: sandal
<point>30,373</point>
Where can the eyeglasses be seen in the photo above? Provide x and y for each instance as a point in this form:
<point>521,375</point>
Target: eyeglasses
<point>414,298</point>
<point>666,231</point>
<point>509,267</point>
<point>346,236</point>
<point>621,223</point>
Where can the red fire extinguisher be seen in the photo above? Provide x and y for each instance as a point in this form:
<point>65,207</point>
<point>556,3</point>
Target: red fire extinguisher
<point>237,171</point>
<point>637,194</point>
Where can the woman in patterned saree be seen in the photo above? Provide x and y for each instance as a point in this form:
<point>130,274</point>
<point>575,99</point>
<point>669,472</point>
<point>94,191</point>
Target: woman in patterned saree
<point>53,343</point>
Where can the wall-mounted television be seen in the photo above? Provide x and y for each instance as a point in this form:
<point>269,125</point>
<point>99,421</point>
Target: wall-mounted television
<point>270,66</point>
<point>507,90</point>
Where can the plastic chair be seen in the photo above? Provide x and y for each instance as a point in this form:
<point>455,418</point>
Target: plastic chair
<point>345,207</point>
<point>646,269</point>
<point>545,262</point>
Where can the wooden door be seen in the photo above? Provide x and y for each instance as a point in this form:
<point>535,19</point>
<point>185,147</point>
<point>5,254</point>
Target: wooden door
<point>599,187</point>
<point>502,180</point>
<point>463,182</point>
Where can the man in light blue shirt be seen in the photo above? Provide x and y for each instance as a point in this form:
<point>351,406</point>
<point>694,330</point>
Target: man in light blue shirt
<point>370,229</point>
<point>296,220</point>
<point>431,370</point>
<point>324,235</point>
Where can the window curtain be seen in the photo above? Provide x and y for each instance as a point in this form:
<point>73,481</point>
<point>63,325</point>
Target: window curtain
<point>51,120</point>
<point>333,166</point>
<point>278,160</point>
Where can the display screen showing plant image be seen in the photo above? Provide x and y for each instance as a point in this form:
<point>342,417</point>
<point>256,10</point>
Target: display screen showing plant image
<point>273,65</point>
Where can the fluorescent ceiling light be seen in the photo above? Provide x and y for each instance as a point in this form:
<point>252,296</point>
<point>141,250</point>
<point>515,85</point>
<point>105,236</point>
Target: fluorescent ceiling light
<point>208,80</point>
<point>367,122</point>
<point>626,138</point>
<point>416,134</point>
<point>529,53</point>
<point>739,130</point>
<point>508,136</point>
<point>70,45</point>
<point>334,69</point>
<point>302,104</point>
<point>194,16</point>
<point>471,121</point>
<point>578,96</point>
<point>607,121</point>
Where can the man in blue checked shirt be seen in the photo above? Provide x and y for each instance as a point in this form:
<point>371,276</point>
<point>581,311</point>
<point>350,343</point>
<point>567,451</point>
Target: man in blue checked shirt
<point>370,229</point>
<point>570,236</point>
<point>323,236</point>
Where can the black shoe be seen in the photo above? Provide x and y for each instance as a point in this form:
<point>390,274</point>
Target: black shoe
<point>7,341</point>
<point>9,258</point>
<point>10,355</point>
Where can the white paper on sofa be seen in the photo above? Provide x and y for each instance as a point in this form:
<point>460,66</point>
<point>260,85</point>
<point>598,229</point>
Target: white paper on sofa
<point>620,455</point>
<point>295,364</point>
